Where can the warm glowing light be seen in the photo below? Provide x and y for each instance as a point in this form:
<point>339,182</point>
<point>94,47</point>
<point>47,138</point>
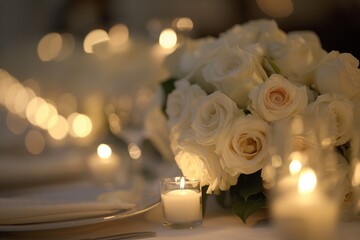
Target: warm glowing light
<point>168,38</point>
<point>184,24</point>
<point>307,181</point>
<point>104,151</point>
<point>134,151</point>
<point>21,100</point>
<point>276,161</point>
<point>60,129</point>
<point>81,125</point>
<point>51,118</point>
<point>297,159</point>
<point>41,113</point>
<point>10,94</point>
<point>356,177</point>
<point>182,183</point>
<point>115,123</point>
<point>49,47</point>
<point>94,37</point>
<point>276,8</point>
<point>295,167</point>
<point>118,34</point>
<point>35,142</point>
<point>31,109</point>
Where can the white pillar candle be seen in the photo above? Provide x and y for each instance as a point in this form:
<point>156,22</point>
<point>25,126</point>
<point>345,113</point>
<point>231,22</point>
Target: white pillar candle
<point>181,206</point>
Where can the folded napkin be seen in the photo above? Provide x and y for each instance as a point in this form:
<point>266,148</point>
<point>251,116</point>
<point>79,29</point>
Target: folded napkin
<point>36,210</point>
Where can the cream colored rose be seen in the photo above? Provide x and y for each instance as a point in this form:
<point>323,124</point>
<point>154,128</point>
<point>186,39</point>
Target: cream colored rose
<point>298,56</point>
<point>277,98</point>
<point>196,160</point>
<point>252,32</point>
<point>332,117</point>
<point>183,60</point>
<point>181,102</point>
<point>213,114</point>
<point>189,56</point>
<point>243,146</point>
<point>338,73</point>
<point>234,72</point>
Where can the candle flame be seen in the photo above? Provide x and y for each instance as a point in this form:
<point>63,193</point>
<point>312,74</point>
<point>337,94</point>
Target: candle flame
<point>307,181</point>
<point>182,183</point>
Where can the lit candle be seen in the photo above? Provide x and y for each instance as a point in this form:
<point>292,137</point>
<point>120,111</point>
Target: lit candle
<point>306,213</point>
<point>181,206</point>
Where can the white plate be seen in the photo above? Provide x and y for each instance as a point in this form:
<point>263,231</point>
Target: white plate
<point>150,198</point>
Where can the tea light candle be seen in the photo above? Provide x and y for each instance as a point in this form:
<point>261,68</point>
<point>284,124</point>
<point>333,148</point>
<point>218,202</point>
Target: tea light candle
<point>306,213</point>
<point>182,206</point>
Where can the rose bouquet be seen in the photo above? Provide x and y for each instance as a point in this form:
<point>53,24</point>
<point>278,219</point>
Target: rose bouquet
<point>226,95</point>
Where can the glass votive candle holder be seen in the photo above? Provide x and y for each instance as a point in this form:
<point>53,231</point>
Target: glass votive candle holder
<point>181,202</point>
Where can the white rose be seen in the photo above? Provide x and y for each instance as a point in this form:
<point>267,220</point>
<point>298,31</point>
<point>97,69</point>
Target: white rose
<point>201,162</point>
<point>332,116</point>
<point>191,55</point>
<point>277,98</point>
<point>252,32</point>
<point>243,146</point>
<point>213,114</point>
<point>234,72</point>
<point>298,56</point>
<point>338,73</point>
<point>181,102</point>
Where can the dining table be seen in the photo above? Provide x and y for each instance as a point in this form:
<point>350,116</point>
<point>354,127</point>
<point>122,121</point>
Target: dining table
<point>18,171</point>
<point>218,223</point>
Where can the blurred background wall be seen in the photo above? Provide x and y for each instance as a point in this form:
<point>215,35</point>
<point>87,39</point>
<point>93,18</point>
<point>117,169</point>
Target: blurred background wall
<point>336,22</point>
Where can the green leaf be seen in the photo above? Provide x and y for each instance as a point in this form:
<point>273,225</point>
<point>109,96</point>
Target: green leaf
<point>269,66</point>
<point>249,184</point>
<point>168,86</point>
<point>245,208</point>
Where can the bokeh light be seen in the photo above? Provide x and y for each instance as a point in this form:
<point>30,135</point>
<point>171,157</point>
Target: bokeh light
<point>168,38</point>
<point>307,181</point>
<point>80,125</point>
<point>35,142</point>
<point>276,8</point>
<point>104,151</point>
<point>119,35</point>
<point>94,37</point>
<point>183,24</point>
<point>134,151</point>
<point>60,128</point>
<point>49,47</point>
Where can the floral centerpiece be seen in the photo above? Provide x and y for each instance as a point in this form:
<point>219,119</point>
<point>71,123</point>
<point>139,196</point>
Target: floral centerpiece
<point>226,94</point>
